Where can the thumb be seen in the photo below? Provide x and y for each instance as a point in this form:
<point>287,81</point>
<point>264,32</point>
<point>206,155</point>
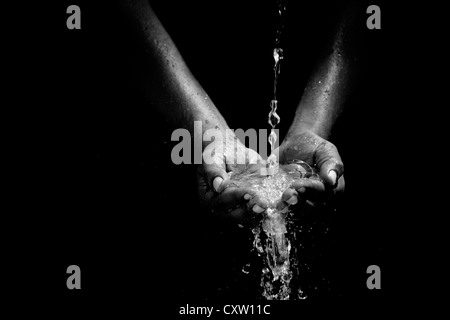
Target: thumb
<point>329,163</point>
<point>214,176</point>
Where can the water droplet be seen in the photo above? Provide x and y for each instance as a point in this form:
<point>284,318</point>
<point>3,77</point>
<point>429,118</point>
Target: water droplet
<point>301,295</point>
<point>277,55</point>
<point>246,268</point>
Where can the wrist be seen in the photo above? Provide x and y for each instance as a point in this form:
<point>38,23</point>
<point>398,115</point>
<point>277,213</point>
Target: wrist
<point>308,126</point>
<point>299,127</point>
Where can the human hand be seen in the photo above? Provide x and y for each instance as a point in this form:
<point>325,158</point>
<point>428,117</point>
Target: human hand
<point>215,190</point>
<point>317,152</point>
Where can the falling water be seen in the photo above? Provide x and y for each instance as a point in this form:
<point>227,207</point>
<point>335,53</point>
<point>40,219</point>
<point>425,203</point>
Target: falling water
<point>274,235</point>
<point>274,118</point>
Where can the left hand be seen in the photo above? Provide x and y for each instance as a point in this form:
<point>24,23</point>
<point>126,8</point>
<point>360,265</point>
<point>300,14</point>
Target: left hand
<point>317,152</point>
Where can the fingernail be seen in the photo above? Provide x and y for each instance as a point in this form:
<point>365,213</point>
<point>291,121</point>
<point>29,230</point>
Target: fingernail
<point>247,196</point>
<point>301,189</point>
<point>281,205</point>
<point>333,175</point>
<point>292,200</point>
<point>216,183</point>
<point>257,209</point>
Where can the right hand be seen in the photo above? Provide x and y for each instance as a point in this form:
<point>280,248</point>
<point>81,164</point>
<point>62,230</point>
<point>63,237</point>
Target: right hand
<point>215,191</point>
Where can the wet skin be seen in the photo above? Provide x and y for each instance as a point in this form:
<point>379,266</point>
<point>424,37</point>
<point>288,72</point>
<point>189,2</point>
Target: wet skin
<point>172,90</point>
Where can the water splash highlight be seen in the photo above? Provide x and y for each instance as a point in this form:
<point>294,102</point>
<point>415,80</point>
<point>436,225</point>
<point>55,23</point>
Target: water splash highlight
<point>276,231</point>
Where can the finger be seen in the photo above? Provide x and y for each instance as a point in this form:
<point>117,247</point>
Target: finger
<point>341,185</point>
<point>329,162</point>
<point>225,184</point>
<point>292,200</point>
<point>216,183</point>
<point>256,201</point>
<point>238,210</point>
<point>257,209</point>
<point>204,191</point>
<point>214,176</point>
<point>302,185</point>
<point>289,197</point>
<point>288,194</point>
<point>333,176</point>
<point>247,218</point>
<point>231,197</point>
<point>308,189</point>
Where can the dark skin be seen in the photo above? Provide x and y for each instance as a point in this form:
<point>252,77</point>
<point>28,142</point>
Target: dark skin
<point>176,94</point>
<point>319,107</point>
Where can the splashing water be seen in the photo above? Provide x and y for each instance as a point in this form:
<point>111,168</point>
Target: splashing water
<point>273,235</point>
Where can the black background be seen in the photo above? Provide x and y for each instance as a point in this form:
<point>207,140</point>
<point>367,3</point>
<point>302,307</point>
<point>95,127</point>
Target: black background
<point>106,196</point>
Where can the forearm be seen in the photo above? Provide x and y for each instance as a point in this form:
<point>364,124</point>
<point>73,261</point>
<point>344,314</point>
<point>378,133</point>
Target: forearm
<point>326,90</point>
<point>166,80</point>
